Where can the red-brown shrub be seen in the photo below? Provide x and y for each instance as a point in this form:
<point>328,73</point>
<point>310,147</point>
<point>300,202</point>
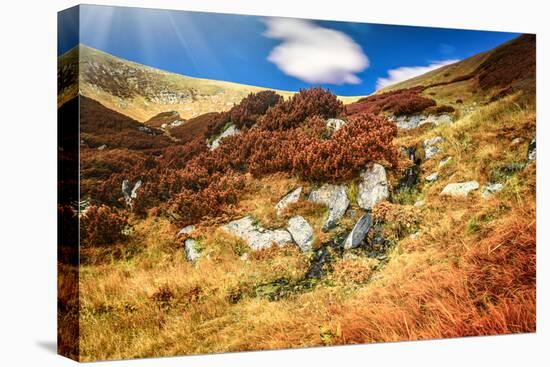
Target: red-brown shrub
<point>398,102</point>
<point>102,225</point>
<point>308,102</point>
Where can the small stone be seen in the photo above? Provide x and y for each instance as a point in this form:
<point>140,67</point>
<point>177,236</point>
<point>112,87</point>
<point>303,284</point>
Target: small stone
<point>532,150</point>
<point>516,141</point>
<point>444,161</point>
<point>419,203</point>
<point>460,188</point>
<point>430,147</point>
<point>255,236</point>
<point>335,124</point>
<point>432,177</point>
<point>230,131</point>
<point>244,257</point>
<point>186,230</point>
<point>102,147</point>
<point>490,189</point>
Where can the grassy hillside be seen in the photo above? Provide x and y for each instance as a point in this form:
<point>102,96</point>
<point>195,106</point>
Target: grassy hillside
<point>431,266</point>
<point>142,92</point>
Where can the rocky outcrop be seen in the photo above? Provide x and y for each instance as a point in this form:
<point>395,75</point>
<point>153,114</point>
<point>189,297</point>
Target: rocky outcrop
<point>301,232</point>
<point>373,188</point>
<point>335,198</point>
<point>334,125</point>
<point>490,189</point>
<point>191,252</point>
<point>230,131</point>
<point>432,177</point>
<point>130,193</point>
<point>460,188</point>
<point>291,197</point>
<point>431,146</point>
<point>413,121</point>
<point>532,150</point>
<point>359,232</point>
<point>255,236</point>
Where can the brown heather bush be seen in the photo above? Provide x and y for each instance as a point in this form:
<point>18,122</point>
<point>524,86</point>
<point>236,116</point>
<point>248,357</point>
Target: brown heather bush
<point>102,225</point>
<point>245,114</point>
<point>437,110</point>
<point>308,102</point>
<point>398,102</point>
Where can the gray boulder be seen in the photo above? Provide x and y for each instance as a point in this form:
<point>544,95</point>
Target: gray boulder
<point>413,121</point>
<point>373,188</point>
<point>490,189</point>
<point>460,188</point>
<point>301,232</point>
<point>335,198</point>
<point>430,146</point>
<point>255,236</point>
<point>230,131</point>
<point>291,197</point>
<point>359,231</point>
<point>190,248</point>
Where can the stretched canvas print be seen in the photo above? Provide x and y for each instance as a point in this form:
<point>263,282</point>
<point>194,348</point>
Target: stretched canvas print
<point>234,183</point>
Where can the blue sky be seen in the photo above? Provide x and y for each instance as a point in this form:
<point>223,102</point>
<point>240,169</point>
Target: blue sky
<point>280,53</point>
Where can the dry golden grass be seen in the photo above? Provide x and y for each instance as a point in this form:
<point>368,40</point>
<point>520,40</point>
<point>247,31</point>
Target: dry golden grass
<point>469,271</point>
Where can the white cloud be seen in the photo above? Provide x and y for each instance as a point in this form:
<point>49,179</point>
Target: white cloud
<point>315,54</point>
<point>408,72</point>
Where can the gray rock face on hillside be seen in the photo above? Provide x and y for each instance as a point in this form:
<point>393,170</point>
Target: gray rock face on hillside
<point>291,197</point>
<point>359,231</point>
<point>255,236</point>
<point>413,121</point>
<point>431,146</point>
<point>460,188</point>
<point>373,188</point>
<point>190,248</point>
<point>335,198</point>
<point>301,232</point>
<point>230,131</point>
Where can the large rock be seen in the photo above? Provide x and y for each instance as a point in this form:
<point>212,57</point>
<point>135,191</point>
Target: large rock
<point>490,189</point>
<point>255,236</point>
<point>359,231</point>
<point>431,146</point>
<point>335,198</point>
<point>373,188</point>
<point>230,131</point>
<point>190,248</point>
<point>301,232</point>
<point>291,197</point>
<point>460,188</point>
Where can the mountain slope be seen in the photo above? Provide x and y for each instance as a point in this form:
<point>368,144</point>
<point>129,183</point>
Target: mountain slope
<point>142,92</point>
<point>506,68</point>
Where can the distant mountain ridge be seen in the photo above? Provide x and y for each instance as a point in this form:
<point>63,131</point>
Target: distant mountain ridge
<point>140,91</point>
